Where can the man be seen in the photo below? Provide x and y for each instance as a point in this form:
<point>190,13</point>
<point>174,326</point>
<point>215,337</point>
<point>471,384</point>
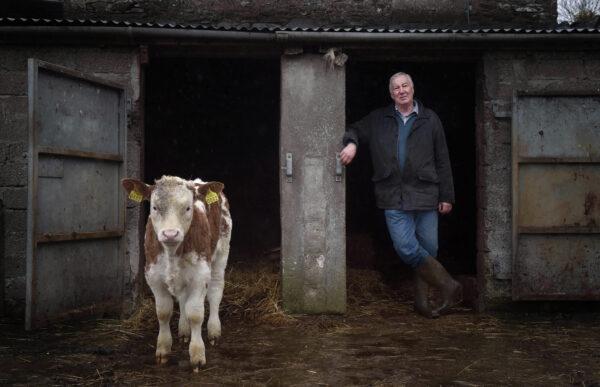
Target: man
<point>413,182</point>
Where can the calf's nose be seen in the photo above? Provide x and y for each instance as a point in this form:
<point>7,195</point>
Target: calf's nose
<point>170,233</point>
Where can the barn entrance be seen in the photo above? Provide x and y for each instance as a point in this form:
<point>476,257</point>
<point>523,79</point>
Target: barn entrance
<point>218,119</point>
<point>448,89</point>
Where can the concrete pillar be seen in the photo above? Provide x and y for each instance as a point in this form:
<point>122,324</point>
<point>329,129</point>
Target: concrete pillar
<point>313,216</point>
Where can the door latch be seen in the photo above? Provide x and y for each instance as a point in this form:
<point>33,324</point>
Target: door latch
<point>288,167</point>
<point>338,168</point>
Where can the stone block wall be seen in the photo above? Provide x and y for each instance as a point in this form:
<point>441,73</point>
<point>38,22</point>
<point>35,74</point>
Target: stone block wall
<point>503,73</point>
<point>120,65</point>
<point>317,13</point>
<point>514,12</point>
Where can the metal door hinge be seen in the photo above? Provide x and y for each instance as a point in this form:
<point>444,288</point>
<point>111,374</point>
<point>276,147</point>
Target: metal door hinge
<point>339,169</point>
<point>288,168</point>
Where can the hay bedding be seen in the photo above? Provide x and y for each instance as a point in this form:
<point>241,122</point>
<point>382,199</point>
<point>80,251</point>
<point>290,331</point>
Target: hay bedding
<point>253,294</point>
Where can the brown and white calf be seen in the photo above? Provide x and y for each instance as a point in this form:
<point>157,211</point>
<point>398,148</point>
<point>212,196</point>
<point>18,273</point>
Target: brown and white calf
<point>187,245</point>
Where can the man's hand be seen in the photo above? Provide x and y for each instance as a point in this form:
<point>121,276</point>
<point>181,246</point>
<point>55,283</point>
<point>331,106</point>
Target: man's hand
<point>347,154</point>
<point>444,208</point>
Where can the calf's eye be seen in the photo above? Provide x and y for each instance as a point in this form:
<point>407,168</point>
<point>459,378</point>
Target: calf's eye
<point>188,209</point>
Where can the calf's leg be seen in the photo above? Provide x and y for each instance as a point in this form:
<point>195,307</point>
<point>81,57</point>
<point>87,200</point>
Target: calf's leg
<point>194,309</point>
<point>164,310</point>
<point>215,292</point>
<point>183,329</point>
<point>194,312</point>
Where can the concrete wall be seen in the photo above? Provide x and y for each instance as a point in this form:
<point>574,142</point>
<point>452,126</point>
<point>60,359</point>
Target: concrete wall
<point>502,74</point>
<point>119,65</point>
<point>337,12</point>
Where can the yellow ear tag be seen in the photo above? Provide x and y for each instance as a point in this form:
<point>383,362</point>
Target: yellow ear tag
<point>136,196</point>
<point>211,197</point>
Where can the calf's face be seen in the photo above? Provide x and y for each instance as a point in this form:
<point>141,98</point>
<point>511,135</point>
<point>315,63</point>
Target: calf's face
<point>172,201</point>
<point>171,212</point>
<point>171,207</point>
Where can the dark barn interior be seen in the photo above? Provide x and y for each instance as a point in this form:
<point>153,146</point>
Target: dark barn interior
<point>218,119</point>
<point>448,89</point>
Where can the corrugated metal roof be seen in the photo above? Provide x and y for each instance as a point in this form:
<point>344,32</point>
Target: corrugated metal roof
<point>296,26</point>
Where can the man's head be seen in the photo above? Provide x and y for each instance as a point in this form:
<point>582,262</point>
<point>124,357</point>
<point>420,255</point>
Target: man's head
<point>402,89</point>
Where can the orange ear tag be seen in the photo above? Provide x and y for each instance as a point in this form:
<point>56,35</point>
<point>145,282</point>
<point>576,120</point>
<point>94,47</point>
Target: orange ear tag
<point>211,197</point>
<point>136,196</point>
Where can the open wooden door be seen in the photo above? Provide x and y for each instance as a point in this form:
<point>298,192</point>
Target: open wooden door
<point>75,219</point>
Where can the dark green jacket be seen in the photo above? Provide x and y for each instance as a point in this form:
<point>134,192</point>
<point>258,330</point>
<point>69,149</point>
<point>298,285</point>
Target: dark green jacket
<point>427,176</point>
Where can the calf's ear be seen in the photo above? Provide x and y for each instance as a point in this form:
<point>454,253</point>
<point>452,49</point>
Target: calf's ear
<point>214,186</point>
<point>137,190</point>
<point>210,188</point>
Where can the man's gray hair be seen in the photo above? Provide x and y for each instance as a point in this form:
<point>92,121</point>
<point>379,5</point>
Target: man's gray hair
<point>398,74</point>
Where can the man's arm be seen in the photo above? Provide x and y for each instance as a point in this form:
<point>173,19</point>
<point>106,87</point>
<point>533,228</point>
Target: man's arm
<point>444,169</point>
<point>444,208</point>
<point>356,133</point>
<point>347,154</point>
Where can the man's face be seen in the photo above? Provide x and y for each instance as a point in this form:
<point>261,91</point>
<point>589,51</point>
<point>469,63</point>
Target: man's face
<point>402,91</point>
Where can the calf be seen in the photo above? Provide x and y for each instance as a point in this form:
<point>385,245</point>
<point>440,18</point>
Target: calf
<point>187,245</point>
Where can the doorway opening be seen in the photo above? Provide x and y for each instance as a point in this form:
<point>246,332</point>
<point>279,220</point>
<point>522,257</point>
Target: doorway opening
<point>218,119</point>
<point>448,89</point>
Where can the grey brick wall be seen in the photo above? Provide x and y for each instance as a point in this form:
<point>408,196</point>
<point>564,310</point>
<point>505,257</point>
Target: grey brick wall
<point>503,72</point>
<point>118,64</point>
<point>13,177</point>
<point>337,12</point>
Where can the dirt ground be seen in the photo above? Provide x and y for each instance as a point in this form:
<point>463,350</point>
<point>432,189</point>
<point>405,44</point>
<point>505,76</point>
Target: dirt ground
<point>380,343</point>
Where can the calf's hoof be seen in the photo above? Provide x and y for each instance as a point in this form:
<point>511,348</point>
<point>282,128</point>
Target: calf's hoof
<point>196,368</point>
<point>197,356</point>
<point>214,331</point>
<point>161,358</point>
<point>213,341</point>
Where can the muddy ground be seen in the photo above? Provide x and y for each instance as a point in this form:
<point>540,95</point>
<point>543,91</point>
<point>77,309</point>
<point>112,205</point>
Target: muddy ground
<point>380,343</point>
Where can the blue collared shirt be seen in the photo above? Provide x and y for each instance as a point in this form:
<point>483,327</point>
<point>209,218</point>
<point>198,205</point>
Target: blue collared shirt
<point>414,111</point>
<point>405,123</point>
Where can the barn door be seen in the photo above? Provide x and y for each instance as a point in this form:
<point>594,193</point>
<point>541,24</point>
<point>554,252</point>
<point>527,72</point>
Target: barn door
<point>556,197</point>
<point>75,212</point>
<point>312,186</point>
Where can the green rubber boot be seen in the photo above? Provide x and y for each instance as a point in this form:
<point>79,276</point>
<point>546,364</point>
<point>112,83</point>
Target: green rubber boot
<point>435,275</point>
<point>422,298</point>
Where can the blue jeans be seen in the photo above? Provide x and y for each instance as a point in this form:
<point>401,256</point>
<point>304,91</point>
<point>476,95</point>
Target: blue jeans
<point>414,233</point>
